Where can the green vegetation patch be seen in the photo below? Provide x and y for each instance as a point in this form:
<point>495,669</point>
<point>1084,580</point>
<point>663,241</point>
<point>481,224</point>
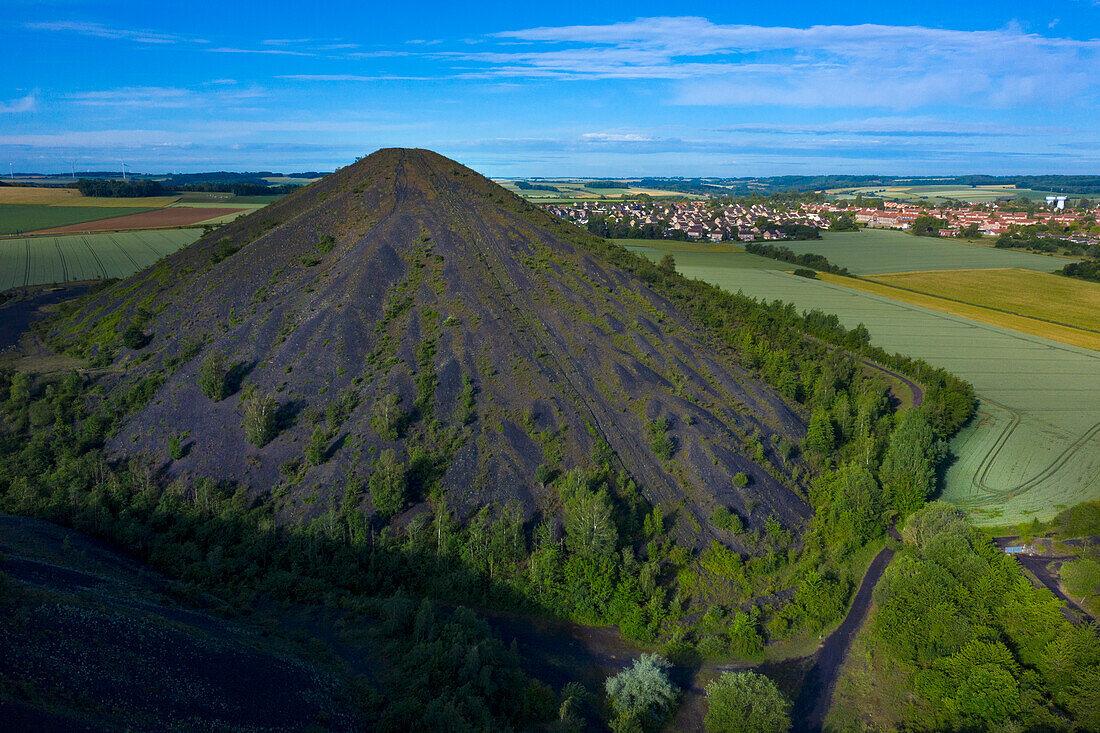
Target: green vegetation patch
<point>1033,448</point>
<point>875,251</point>
<point>20,218</point>
<point>57,259</point>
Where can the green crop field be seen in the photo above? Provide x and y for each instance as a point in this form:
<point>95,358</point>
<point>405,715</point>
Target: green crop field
<point>18,218</point>
<point>573,190</point>
<point>41,260</point>
<point>877,251</point>
<point>1035,446</point>
<point>1054,298</point>
<point>722,255</point>
<point>936,193</point>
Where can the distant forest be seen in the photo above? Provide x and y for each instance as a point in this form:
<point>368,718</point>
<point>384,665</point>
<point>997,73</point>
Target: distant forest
<point>134,189</point>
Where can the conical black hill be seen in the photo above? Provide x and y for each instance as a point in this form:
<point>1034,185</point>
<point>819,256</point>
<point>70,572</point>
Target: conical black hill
<point>408,304</point>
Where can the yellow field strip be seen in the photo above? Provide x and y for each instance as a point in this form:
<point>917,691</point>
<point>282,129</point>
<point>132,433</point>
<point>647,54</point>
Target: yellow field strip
<point>58,196</point>
<point>1023,324</point>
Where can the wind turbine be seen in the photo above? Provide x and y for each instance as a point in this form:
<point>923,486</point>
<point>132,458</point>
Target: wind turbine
<point>73,165</point>
<point>11,170</point>
<point>123,171</point>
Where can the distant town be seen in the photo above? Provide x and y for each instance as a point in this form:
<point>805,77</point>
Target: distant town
<point>716,220</point>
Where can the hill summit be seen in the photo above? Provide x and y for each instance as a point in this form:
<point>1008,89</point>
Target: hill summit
<point>405,317</point>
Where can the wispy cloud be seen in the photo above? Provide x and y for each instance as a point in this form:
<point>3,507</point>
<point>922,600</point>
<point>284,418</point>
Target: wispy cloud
<point>820,66</point>
<point>164,97</point>
<point>24,104</point>
<point>264,51</point>
<point>99,30</point>
<point>351,77</point>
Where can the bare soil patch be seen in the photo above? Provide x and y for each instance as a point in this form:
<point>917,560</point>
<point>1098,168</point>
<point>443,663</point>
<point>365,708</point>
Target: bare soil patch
<point>173,216</point>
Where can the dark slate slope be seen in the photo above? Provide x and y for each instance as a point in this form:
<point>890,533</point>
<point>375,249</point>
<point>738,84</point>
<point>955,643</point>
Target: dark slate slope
<point>562,349</point>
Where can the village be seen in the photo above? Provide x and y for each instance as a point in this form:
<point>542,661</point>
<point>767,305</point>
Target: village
<point>718,221</point>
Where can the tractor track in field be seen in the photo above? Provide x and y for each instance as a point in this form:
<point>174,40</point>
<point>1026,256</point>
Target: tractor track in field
<point>95,256</point>
<point>979,480</point>
<point>61,257</point>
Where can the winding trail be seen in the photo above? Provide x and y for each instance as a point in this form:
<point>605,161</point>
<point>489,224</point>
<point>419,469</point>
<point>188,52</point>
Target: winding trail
<point>816,694</point>
<point>557,652</point>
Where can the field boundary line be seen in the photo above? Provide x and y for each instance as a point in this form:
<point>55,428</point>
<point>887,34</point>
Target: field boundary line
<point>1082,338</point>
<point>870,278</point>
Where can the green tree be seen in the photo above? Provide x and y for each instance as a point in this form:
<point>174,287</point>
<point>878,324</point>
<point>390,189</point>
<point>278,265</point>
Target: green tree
<point>642,696</point>
<point>660,441</point>
<point>388,417</point>
<point>134,338</point>
<point>261,421</point>
<point>214,376</point>
<point>667,263</point>
<point>590,528</point>
<point>909,467</point>
<point>388,485</point>
<point>819,435</point>
<point>317,447</point>
<point>746,702</point>
<point>20,391</point>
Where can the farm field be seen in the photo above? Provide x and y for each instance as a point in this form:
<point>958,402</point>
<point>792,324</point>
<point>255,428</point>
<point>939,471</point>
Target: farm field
<point>1034,447</point>
<point>876,251</point>
<point>21,218</point>
<point>1089,339</point>
<point>722,255</point>
<point>168,217</point>
<point>62,210</point>
<point>41,260</point>
<point>572,189</point>
<point>933,193</point>
<point>1069,301</point>
<point>71,197</point>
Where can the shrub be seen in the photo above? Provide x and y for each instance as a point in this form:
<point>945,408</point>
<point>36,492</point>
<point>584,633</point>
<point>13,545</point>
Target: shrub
<point>318,446</point>
<point>260,419</point>
<point>175,448</point>
<point>388,485</point>
<point>388,417</point>
<point>746,701</point>
<point>740,480</point>
<point>134,338</point>
<point>642,696</point>
<point>660,441</point>
<point>214,377</point>
<point>725,519</point>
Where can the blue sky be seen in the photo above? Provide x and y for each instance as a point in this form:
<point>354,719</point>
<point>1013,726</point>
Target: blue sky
<point>550,89</point>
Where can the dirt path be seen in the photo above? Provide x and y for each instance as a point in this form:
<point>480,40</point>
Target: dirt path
<point>817,690</point>
<point>1038,567</point>
<point>918,393</point>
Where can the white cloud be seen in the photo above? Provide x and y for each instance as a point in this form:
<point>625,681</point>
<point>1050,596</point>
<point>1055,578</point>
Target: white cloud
<point>25,104</point>
<point>351,77</point>
<point>99,30</point>
<point>820,66</point>
<point>266,51</point>
<point>164,97</point>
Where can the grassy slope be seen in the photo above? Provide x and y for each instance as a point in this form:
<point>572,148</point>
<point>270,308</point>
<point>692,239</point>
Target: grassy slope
<point>1023,324</point>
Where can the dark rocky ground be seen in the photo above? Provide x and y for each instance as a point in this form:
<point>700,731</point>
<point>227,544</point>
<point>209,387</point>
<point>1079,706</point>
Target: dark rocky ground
<point>93,640</point>
<point>562,349</point>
